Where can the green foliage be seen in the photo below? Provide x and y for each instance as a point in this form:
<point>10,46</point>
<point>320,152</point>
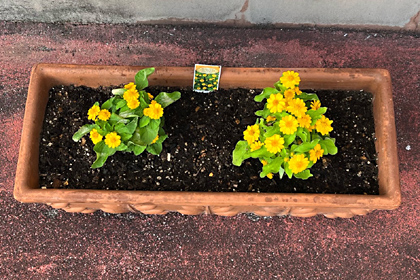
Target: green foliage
<point>303,133</point>
<point>124,127</point>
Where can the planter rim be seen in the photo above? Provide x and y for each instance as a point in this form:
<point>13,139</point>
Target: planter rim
<point>44,76</point>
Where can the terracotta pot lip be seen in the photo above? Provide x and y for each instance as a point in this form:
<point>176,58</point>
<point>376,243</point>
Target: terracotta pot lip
<point>384,201</point>
<point>45,74</point>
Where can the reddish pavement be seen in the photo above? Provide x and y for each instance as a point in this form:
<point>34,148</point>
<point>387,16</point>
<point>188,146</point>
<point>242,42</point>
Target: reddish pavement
<point>38,242</point>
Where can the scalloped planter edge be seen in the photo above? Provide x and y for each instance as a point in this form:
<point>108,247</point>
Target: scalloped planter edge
<point>376,81</point>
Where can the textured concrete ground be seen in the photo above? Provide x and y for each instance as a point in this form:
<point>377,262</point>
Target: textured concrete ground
<point>38,242</point>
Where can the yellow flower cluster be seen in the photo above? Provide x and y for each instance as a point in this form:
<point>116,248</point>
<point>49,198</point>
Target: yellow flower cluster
<point>290,103</point>
<point>95,112</point>
<point>131,95</point>
<point>289,111</point>
<point>112,140</point>
<point>154,111</point>
<point>95,136</point>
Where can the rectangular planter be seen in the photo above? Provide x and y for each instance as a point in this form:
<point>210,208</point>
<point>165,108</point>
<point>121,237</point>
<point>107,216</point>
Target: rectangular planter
<point>376,81</point>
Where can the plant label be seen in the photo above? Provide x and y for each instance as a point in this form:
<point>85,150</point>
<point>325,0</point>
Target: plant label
<point>206,77</point>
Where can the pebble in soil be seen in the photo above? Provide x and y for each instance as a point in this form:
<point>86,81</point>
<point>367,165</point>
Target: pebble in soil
<point>203,129</point>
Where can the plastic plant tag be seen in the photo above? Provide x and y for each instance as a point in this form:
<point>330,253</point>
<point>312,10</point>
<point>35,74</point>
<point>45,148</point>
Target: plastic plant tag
<point>206,77</point>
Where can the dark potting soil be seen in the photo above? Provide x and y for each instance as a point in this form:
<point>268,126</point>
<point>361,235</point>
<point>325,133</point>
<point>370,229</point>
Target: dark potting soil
<point>203,130</point>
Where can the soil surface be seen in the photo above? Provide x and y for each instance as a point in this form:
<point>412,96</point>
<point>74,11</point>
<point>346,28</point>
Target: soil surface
<point>203,130</point>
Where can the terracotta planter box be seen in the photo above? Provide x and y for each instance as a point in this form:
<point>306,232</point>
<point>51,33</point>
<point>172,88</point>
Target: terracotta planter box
<point>376,81</point>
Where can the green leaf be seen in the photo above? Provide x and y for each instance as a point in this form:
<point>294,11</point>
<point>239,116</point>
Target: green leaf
<point>263,113</point>
<point>145,120</point>
<point>303,134</point>
<point>102,153</point>
<point>308,96</point>
<point>272,167</point>
<point>155,124</point>
<point>165,99</point>
<point>260,153</point>
<point>122,147</point>
<point>155,148</point>
<point>120,103</point>
<point>271,130</point>
<point>131,126</point>
<point>141,78</point>
<point>117,119</point>
<point>288,139</point>
<point>305,174</point>
<point>281,172</point>
<point>83,131</point>
<point>138,149</point>
<point>145,135</point>
<point>127,113</point>
<point>315,115</point>
<point>108,104</point>
<point>125,136</point>
<point>265,94</point>
<point>162,136</point>
<point>288,171</point>
<point>305,147</point>
<point>118,91</point>
<point>278,85</point>
<point>121,128</point>
<point>328,145</point>
<point>239,153</point>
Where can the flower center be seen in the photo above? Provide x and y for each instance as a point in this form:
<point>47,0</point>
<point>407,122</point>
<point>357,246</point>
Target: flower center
<point>289,124</point>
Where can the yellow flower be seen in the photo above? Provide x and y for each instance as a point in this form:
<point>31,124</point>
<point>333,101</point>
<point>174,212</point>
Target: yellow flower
<point>289,94</point>
<point>256,146</point>
<point>264,162</point>
<point>93,112</point>
<point>133,103</point>
<point>286,159</point>
<point>154,140</point>
<point>297,107</point>
<point>130,86</point>
<point>204,75</point>
<point>131,94</point>
<point>201,80</point>
<point>312,127</point>
<point>95,136</point>
<point>270,119</point>
<point>150,96</point>
<point>154,111</point>
<point>198,87</point>
<point>204,88</point>
<point>104,115</point>
<point>274,144</point>
<point>305,121</point>
<point>290,79</point>
<point>276,103</point>
<point>215,83</point>
<point>297,91</point>
<point>252,133</point>
<point>214,75</point>
<point>288,125</point>
<point>315,105</point>
<point>270,175</point>
<point>316,153</point>
<point>298,163</point>
<point>323,125</point>
<point>112,140</point>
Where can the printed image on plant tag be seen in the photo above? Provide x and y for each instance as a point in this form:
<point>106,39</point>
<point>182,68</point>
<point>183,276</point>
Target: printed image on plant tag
<point>206,77</point>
